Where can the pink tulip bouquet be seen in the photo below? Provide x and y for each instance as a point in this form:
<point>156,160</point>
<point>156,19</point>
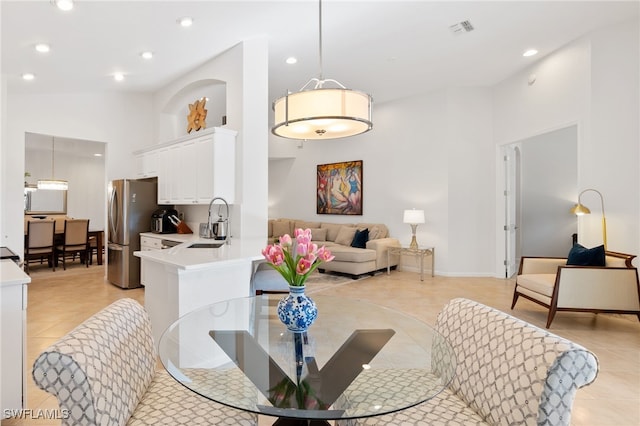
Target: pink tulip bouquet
<point>297,258</point>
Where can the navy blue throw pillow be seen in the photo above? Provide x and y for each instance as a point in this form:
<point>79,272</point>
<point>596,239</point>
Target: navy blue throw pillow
<point>360,239</point>
<point>582,256</point>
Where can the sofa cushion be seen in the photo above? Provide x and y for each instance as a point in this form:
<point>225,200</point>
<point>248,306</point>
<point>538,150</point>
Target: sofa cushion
<point>360,239</point>
<point>281,227</point>
<point>332,230</point>
<point>318,234</point>
<point>347,253</point>
<point>540,283</point>
<point>582,256</point>
<point>306,224</point>
<point>345,235</point>
<point>376,230</point>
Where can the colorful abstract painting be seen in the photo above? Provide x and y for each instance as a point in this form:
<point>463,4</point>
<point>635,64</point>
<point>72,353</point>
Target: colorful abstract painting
<point>339,188</point>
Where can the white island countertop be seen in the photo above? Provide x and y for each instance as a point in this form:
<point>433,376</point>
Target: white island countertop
<point>183,256</point>
<point>11,274</point>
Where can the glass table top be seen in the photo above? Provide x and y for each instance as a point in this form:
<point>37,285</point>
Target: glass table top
<point>357,359</point>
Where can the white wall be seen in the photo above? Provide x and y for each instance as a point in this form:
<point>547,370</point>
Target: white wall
<point>244,70</point>
<point>439,152</point>
<point>129,122</point>
<point>592,82</point>
<point>471,171</point>
<point>122,121</point>
<point>546,223</point>
<point>416,156</point>
<point>610,159</point>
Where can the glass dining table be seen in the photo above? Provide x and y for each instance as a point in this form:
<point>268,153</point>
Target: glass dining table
<point>357,360</point>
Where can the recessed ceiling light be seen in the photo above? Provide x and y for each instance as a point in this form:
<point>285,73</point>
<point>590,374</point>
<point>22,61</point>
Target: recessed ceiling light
<point>42,47</point>
<point>530,52</point>
<point>28,76</point>
<point>147,55</point>
<point>64,4</point>
<point>118,76</point>
<point>97,155</point>
<point>291,60</point>
<point>186,21</point>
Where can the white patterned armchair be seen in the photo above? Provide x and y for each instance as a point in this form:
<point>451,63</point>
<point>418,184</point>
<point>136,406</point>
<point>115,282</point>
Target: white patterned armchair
<point>104,373</point>
<point>508,372</point>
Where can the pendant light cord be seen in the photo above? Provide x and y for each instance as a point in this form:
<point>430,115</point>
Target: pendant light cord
<point>53,153</point>
<point>320,38</point>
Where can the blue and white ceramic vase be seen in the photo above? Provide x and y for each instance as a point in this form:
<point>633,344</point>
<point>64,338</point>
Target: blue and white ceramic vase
<point>297,311</point>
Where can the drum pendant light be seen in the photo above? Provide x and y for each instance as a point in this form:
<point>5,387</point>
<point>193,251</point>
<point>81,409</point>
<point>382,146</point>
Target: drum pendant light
<point>320,112</point>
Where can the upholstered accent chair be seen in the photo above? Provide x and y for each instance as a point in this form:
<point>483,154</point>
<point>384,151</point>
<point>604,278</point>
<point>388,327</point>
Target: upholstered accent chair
<point>550,282</point>
<point>508,372</point>
<point>104,373</point>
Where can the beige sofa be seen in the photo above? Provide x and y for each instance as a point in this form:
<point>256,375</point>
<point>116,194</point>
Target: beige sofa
<point>550,282</point>
<point>338,237</point>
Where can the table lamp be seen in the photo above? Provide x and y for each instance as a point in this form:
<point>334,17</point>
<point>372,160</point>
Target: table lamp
<point>413,217</point>
<point>580,209</point>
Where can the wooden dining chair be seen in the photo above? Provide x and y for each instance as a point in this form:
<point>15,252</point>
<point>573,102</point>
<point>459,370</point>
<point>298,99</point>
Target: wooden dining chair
<point>39,242</point>
<point>75,241</point>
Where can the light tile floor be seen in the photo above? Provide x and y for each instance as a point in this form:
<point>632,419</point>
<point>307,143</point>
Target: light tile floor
<point>60,300</point>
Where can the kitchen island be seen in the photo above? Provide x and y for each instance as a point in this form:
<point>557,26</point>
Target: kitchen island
<point>13,317</point>
<point>180,279</point>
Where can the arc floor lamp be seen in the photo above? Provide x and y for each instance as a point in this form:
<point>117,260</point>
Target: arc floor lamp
<point>580,209</point>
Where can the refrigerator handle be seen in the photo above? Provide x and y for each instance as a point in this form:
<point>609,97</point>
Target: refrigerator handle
<point>112,214</point>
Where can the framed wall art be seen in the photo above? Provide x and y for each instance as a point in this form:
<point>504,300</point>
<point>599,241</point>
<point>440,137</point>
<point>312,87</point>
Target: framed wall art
<point>339,188</point>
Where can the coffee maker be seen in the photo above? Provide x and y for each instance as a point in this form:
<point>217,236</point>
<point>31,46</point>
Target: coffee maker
<point>161,222</point>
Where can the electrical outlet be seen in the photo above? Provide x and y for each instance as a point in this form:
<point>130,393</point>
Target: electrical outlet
<point>181,215</point>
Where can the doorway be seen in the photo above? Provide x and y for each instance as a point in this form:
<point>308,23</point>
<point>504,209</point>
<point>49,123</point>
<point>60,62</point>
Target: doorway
<point>541,182</point>
<point>80,162</point>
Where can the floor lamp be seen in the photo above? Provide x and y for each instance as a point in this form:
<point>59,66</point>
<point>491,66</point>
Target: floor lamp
<point>413,217</point>
<point>580,210</point>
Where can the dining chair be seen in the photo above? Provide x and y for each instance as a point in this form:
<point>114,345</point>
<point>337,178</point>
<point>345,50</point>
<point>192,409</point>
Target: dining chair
<point>93,248</point>
<point>75,241</point>
<point>39,242</point>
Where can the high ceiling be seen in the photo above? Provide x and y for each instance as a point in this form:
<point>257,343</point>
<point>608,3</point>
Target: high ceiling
<point>390,49</point>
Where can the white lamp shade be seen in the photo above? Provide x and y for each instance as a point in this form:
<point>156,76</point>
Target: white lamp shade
<point>322,114</point>
<point>413,216</point>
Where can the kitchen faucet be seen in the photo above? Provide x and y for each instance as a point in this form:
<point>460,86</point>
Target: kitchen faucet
<point>221,227</point>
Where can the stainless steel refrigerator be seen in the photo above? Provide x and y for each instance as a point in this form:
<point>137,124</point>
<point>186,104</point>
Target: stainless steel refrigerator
<point>131,204</point>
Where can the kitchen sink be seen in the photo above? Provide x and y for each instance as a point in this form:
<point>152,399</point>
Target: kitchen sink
<point>206,245</point>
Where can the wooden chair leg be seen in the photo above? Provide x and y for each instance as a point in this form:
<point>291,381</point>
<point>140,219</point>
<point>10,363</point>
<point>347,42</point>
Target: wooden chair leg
<point>515,299</point>
<point>552,313</point>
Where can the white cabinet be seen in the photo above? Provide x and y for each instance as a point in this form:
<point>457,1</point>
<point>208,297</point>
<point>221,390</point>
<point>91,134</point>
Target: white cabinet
<point>150,243</point>
<point>194,169</point>
<point>164,176</point>
<point>187,158</point>
<point>13,311</point>
<point>147,164</point>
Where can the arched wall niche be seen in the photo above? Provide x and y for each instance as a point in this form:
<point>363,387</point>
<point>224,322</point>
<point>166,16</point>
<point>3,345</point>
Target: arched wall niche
<point>175,111</point>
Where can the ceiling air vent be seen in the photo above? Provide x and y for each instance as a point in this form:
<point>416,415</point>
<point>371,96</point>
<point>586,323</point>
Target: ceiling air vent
<point>461,27</point>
